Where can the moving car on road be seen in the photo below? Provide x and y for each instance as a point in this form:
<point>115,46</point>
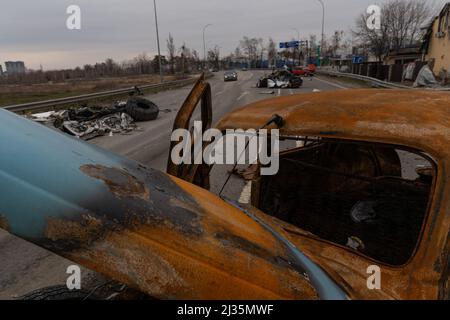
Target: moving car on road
<point>345,204</point>
<point>230,76</point>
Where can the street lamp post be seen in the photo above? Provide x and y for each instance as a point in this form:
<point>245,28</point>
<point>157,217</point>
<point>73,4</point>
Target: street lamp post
<point>299,50</point>
<point>159,47</point>
<point>323,31</point>
<point>204,45</point>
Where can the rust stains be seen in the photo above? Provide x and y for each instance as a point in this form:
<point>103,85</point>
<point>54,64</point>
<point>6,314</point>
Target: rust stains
<point>398,116</point>
<point>134,261</point>
<point>121,183</point>
<point>83,231</point>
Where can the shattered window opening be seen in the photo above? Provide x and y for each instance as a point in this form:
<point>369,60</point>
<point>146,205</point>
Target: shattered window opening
<point>357,195</point>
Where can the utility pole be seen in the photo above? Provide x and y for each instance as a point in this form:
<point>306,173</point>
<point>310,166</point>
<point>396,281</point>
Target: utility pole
<point>299,49</point>
<point>159,47</point>
<point>204,45</point>
<point>323,32</point>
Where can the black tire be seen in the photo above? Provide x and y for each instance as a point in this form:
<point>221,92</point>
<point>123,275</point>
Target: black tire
<point>59,293</point>
<point>141,109</point>
<point>296,83</point>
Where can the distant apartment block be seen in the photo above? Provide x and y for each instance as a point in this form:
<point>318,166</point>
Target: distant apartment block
<point>15,67</point>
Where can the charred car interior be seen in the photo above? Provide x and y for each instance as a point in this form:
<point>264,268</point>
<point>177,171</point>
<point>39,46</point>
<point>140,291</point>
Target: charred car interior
<point>353,195</point>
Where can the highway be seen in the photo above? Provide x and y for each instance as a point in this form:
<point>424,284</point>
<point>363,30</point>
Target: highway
<point>150,146</point>
<point>25,267</point>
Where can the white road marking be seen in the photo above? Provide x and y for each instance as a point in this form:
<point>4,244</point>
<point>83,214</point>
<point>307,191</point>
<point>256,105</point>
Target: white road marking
<point>243,95</point>
<point>279,92</point>
<point>291,92</point>
<point>331,84</point>
<point>219,93</point>
<point>316,90</point>
<point>246,193</point>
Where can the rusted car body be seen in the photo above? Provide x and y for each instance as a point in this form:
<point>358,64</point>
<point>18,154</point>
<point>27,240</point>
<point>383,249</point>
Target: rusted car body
<point>167,236</point>
<point>414,120</point>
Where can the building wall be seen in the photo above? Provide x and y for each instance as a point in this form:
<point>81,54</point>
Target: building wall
<point>14,67</point>
<point>401,59</point>
<point>439,50</point>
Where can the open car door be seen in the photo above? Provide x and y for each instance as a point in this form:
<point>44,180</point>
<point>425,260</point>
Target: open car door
<point>200,95</point>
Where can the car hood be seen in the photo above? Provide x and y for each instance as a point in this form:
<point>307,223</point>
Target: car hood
<point>154,232</point>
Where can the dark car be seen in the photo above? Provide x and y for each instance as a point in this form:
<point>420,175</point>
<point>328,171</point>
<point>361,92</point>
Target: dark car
<point>230,76</point>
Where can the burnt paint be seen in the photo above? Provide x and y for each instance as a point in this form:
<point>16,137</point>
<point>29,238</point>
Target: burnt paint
<point>234,241</point>
<point>127,199</point>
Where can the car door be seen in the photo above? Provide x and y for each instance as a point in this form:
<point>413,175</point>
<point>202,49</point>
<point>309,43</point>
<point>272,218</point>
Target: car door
<point>200,95</point>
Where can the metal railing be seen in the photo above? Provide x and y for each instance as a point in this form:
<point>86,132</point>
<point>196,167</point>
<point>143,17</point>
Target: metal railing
<point>90,96</point>
<point>374,81</point>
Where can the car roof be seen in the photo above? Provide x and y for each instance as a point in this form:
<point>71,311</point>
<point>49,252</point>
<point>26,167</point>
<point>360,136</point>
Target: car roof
<point>415,118</point>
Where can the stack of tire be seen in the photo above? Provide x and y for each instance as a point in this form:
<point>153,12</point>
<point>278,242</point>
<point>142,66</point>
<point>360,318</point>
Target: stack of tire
<point>141,109</point>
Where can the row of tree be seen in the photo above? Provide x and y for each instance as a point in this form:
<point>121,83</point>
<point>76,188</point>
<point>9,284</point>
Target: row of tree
<point>401,26</point>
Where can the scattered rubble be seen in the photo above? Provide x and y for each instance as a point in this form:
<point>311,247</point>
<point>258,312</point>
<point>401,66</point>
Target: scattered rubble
<point>90,122</point>
<point>280,79</point>
<point>425,78</point>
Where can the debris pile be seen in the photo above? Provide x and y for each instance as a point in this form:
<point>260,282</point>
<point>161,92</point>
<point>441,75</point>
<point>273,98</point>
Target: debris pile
<point>280,79</point>
<point>91,122</point>
<point>425,78</point>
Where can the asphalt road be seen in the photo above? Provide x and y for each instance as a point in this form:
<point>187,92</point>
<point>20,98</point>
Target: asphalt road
<point>25,267</point>
<point>150,146</point>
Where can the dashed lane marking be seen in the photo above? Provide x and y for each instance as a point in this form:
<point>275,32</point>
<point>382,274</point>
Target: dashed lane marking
<point>332,84</point>
<point>243,95</point>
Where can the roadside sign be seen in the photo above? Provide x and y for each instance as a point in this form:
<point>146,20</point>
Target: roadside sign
<point>290,44</point>
<point>357,60</point>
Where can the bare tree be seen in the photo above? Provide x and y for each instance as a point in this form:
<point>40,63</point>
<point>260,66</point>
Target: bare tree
<point>196,59</point>
<point>250,48</point>
<point>336,41</point>
<point>185,54</point>
<point>261,49</point>
<point>401,22</point>
<point>272,51</point>
<point>214,57</point>
<point>171,49</point>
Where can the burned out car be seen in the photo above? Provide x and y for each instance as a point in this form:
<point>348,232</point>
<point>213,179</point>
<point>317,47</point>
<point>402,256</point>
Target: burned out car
<point>364,185</point>
<point>280,79</point>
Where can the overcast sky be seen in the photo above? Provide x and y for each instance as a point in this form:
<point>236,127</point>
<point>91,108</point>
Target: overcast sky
<point>35,31</point>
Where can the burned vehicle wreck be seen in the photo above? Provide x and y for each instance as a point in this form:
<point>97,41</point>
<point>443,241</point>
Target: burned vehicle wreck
<point>343,200</point>
<point>280,79</point>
